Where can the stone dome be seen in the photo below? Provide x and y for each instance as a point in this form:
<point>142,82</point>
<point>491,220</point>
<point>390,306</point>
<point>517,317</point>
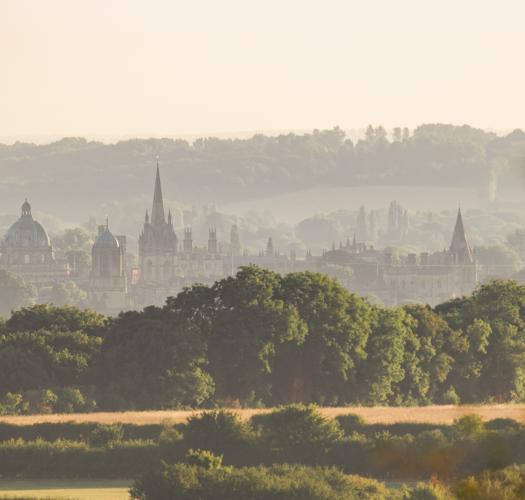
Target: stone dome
<point>106,239</point>
<point>26,232</point>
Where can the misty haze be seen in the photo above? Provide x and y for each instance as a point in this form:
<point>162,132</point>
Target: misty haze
<point>255,252</point>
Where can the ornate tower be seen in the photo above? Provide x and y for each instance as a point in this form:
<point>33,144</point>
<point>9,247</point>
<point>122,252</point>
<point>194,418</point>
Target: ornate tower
<point>108,283</point>
<point>157,242</point>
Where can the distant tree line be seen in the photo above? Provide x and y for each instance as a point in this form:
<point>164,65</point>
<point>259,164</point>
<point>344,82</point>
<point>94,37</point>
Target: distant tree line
<point>261,339</point>
<point>212,169</point>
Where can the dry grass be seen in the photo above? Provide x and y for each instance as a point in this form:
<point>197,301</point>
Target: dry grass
<point>91,489</point>
<point>430,414</point>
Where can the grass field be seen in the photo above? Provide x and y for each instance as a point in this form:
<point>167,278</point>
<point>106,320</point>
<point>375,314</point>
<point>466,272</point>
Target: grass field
<point>431,414</point>
<point>70,489</point>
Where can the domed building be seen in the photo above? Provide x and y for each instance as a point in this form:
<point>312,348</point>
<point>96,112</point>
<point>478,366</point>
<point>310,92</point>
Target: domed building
<point>108,282</point>
<point>27,252</point>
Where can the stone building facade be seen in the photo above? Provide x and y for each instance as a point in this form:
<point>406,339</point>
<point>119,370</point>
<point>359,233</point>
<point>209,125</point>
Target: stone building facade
<point>436,277</point>
<point>26,251</point>
<point>165,265</point>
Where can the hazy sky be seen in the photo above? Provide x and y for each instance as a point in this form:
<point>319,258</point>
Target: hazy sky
<point>121,67</point>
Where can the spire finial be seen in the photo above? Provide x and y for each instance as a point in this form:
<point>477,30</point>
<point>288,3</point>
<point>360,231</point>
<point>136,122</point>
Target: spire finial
<point>107,222</point>
<point>26,209</point>
<point>157,213</point>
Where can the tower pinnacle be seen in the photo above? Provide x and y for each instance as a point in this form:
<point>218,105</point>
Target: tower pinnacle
<point>459,246</point>
<point>157,212</point>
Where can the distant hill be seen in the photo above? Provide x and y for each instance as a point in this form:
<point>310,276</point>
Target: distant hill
<point>73,177</point>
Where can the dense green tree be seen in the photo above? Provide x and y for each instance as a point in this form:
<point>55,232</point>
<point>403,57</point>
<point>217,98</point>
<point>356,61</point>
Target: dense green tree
<point>323,368</point>
<point>249,326</point>
<point>434,349</point>
<point>384,366</point>
<point>499,341</point>
<point>151,359</point>
<point>45,359</point>
<point>60,318</point>
<point>261,338</point>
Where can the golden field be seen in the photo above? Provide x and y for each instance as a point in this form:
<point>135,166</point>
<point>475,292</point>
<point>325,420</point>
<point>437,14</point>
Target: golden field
<point>85,489</point>
<point>443,414</point>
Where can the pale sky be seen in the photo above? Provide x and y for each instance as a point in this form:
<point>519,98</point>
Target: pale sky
<point>168,67</point>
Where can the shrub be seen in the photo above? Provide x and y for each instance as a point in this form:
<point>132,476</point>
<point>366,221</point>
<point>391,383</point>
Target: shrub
<point>70,459</point>
<point>170,435</point>
<point>502,424</point>
<point>12,404</point>
<point>221,432</point>
<point>298,433</point>
<point>284,482</point>
<point>73,431</point>
<point>450,397</point>
<point>468,427</point>
<point>428,491</point>
<point>41,400</point>
<point>106,435</point>
<point>71,400</point>
<point>505,484</point>
<point>350,423</point>
<point>203,458</point>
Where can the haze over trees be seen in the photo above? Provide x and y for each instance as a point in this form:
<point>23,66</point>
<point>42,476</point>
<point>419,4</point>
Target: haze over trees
<point>77,175</point>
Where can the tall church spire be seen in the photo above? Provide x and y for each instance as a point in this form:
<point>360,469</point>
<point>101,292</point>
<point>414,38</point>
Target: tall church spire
<point>157,213</point>
<point>459,246</point>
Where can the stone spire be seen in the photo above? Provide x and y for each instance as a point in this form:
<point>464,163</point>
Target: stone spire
<point>157,213</point>
<point>459,246</point>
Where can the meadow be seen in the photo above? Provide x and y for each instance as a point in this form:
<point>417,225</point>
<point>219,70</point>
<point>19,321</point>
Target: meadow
<point>433,414</point>
<point>65,489</point>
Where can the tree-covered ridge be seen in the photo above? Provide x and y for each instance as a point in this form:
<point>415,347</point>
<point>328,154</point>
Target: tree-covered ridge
<point>261,339</point>
<point>218,170</point>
